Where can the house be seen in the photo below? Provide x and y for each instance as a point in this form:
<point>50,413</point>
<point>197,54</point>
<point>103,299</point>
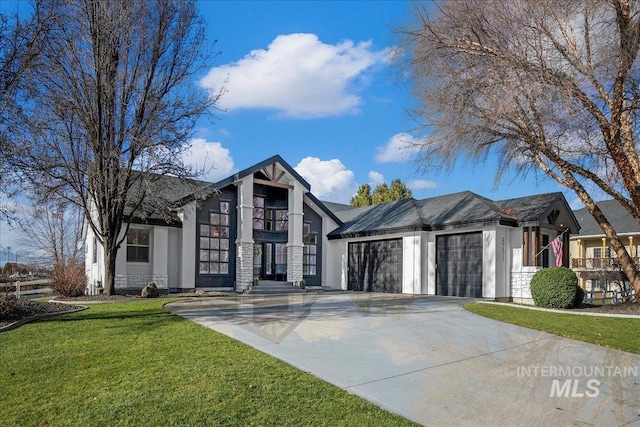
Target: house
<point>592,259</point>
<point>264,223</point>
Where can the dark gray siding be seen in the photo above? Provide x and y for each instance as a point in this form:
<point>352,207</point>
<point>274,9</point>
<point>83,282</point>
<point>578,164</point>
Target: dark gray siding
<point>228,194</point>
<point>315,222</point>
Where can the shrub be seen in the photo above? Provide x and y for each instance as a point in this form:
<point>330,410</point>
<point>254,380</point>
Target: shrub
<point>69,279</point>
<point>150,291</point>
<point>8,306</point>
<point>555,287</point>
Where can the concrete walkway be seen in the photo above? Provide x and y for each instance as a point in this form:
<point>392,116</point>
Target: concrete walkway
<point>431,361</point>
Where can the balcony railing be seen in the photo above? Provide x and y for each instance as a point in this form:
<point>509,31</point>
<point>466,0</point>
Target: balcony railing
<point>610,263</point>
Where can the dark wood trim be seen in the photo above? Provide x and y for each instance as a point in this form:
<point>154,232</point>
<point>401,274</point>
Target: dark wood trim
<point>272,184</point>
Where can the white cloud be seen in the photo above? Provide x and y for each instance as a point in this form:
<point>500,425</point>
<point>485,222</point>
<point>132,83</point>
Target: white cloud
<point>297,75</point>
<point>401,147</point>
<point>375,178</point>
<point>211,157</point>
<point>329,179</point>
<point>422,184</point>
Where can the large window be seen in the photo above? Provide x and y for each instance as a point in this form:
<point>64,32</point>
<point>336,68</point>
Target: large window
<point>214,242</point>
<point>309,253</point>
<point>258,213</point>
<point>138,245</point>
<point>270,219</point>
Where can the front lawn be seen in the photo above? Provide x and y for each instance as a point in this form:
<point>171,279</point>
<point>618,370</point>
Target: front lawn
<point>136,364</point>
<point>614,332</point>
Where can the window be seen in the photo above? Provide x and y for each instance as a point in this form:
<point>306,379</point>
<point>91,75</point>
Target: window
<point>258,213</point>
<point>214,242</point>
<point>94,252</point>
<point>309,252</point>
<point>282,220</point>
<point>269,219</point>
<point>277,220</point>
<point>597,252</point>
<point>138,245</point>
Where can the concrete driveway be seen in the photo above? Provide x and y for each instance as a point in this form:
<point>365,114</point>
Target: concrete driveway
<point>429,360</point>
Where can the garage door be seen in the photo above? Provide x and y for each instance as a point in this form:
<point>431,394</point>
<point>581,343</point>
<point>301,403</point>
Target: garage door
<point>459,265</point>
<point>376,266</point>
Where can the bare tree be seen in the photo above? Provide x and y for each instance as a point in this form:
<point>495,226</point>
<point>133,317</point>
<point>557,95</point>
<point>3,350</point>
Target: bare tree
<point>114,103</point>
<point>19,48</point>
<point>52,230</point>
<point>543,84</point>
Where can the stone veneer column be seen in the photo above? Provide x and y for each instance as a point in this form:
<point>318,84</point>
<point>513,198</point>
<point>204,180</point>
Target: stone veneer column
<point>294,244</point>
<point>244,242</point>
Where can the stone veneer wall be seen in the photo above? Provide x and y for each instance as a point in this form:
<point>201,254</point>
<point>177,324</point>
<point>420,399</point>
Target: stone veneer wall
<point>294,263</point>
<point>244,266</point>
<point>521,284</point>
<point>139,281</point>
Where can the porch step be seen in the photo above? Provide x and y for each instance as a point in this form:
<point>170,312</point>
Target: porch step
<point>272,287</point>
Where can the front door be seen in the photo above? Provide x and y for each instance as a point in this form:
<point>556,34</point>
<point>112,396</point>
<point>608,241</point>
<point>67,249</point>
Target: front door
<point>270,261</point>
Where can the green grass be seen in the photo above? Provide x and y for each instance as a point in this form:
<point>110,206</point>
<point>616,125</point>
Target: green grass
<point>622,334</point>
<point>135,364</point>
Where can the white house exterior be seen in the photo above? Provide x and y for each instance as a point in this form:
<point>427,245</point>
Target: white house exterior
<point>265,224</point>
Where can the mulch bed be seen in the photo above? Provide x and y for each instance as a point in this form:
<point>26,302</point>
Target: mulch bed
<point>25,308</point>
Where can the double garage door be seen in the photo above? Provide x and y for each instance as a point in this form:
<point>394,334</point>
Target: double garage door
<point>376,266</point>
<point>459,265</point>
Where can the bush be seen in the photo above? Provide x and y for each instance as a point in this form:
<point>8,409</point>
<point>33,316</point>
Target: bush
<point>69,279</point>
<point>150,291</point>
<point>555,287</point>
<point>8,306</point>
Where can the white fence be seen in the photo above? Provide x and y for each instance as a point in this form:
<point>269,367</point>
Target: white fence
<point>15,288</point>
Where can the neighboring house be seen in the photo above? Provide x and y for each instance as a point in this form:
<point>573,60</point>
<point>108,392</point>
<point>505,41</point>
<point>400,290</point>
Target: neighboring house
<point>264,223</point>
<point>592,259</point>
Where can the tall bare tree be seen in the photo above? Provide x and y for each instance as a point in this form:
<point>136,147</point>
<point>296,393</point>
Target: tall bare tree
<point>541,83</point>
<point>113,104</point>
<point>19,47</point>
<point>52,230</point>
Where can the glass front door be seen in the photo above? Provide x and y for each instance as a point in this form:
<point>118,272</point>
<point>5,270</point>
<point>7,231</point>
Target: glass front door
<point>270,261</point>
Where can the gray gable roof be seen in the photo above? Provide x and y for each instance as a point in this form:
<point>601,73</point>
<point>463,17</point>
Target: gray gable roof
<point>444,212</point>
<point>378,219</point>
<point>164,194</point>
<point>461,208</point>
<point>620,219</point>
<point>530,208</point>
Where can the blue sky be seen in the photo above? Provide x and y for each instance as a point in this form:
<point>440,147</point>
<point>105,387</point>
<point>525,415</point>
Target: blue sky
<point>312,81</point>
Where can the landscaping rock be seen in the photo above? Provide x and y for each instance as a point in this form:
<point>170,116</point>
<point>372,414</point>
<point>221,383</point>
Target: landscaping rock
<point>150,291</point>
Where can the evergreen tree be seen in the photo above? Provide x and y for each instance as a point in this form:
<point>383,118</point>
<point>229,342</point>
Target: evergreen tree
<point>383,193</point>
<point>362,197</point>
